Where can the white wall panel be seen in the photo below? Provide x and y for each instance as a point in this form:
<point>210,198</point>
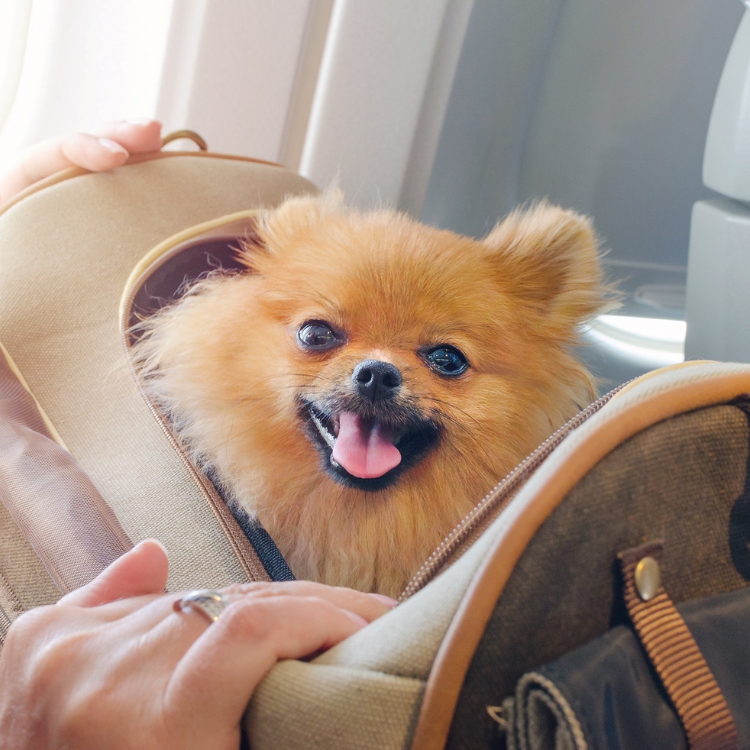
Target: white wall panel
<point>726,163</point>
<point>381,97</point>
<point>474,181</point>
<point>231,72</point>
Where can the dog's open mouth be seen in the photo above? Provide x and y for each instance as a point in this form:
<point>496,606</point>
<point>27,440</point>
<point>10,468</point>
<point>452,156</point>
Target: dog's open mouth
<point>367,453</point>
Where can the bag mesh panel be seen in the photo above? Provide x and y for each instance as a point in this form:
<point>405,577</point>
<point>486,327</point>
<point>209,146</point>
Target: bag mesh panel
<point>24,582</point>
<point>51,500</point>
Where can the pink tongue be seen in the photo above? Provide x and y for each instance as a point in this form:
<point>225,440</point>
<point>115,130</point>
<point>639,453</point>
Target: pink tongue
<point>364,448</point>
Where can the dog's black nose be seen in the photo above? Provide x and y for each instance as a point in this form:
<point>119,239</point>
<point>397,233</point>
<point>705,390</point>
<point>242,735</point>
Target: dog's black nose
<point>376,380</point>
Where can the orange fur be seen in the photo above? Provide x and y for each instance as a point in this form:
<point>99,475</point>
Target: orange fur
<point>226,364</point>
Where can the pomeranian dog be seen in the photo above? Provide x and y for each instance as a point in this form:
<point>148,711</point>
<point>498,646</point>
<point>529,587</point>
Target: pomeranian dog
<point>369,379</point>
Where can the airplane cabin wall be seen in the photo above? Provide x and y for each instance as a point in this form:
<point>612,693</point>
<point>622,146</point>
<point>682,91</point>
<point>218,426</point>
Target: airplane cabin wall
<point>453,110</point>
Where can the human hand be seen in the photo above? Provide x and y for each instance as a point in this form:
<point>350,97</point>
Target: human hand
<point>106,148</point>
<point>98,670</point>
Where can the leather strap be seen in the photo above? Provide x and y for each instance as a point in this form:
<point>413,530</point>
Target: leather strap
<point>678,661</point>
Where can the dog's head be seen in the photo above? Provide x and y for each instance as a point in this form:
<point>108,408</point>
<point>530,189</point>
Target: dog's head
<point>369,356</point>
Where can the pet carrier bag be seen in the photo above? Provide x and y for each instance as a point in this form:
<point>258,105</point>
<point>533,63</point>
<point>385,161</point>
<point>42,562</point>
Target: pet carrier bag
<point>524,627</point>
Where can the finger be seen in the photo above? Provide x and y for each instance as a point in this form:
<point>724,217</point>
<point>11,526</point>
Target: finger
<point>109,148</point>
<point>48,157</point>
<point>215,679</point>
<point>367,606</point>
<point>142,570</point>
<point>136,136</point>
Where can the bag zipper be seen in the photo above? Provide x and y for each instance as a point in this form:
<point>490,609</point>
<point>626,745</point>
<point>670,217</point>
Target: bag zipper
<point>490,507</point>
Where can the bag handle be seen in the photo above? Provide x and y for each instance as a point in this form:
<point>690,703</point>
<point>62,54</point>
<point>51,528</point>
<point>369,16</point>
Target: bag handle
<point>189,134</point>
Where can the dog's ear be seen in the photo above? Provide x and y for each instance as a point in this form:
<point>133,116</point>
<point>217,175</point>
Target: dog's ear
<point>548,258</point>
<point>294,220</point>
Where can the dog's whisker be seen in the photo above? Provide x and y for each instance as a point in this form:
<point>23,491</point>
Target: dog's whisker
<point>452,407</point>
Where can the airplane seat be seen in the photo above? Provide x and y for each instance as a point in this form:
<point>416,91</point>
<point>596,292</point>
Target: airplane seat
<point>718,281</point>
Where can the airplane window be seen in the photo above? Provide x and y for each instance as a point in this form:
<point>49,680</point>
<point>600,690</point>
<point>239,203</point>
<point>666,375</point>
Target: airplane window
<point>79,65</point>
<point>14,26</point>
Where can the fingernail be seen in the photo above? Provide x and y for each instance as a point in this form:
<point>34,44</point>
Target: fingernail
<point>385,599</point>
<point>112,146</point>
<point>140,121</point>
<point>150,541</point>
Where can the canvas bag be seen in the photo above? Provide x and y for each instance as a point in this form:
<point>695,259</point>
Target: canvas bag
<point>67,247</point>
<point>396,683</point>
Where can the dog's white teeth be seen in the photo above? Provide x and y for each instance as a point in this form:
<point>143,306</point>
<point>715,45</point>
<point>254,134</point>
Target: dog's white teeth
<point>335,463</point>
<point>330,439</point>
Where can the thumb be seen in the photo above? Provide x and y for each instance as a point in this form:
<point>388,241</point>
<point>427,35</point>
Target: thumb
<point>142,570</point>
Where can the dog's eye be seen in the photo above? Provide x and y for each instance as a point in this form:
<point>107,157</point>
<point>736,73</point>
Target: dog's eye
<point>447,360</point>
<point>317,334</point>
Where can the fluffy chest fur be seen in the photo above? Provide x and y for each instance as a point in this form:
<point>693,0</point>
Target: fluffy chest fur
<point>369,379</point>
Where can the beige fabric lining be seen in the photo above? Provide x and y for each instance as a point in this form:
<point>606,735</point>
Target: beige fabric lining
<point>313,706</point>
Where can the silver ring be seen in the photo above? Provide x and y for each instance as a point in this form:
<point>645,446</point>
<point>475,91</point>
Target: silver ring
<point>209,602</point>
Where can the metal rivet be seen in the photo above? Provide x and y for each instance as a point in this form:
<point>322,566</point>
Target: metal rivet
<point>647,578</point>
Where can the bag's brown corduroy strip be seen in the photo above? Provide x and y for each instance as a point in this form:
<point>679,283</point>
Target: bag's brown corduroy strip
<point>686,676</point>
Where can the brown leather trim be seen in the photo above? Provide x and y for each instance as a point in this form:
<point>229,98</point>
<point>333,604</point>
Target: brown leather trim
<point>465,631</point>
<point>687,678</point>
<point>70,172</point>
